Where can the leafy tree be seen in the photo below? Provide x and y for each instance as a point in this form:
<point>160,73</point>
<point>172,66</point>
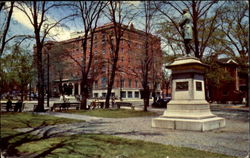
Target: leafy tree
<point>17,70</point>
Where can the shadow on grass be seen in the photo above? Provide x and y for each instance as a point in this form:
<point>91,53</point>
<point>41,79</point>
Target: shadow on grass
<point>43,131</point>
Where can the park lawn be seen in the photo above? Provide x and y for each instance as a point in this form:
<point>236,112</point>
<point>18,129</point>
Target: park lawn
<point>14,120</point>
<point>79,146</point>
<point>106,146</point>
<point>113,113</point>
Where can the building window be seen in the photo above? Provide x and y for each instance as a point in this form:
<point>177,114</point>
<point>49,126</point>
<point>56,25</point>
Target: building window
<point>95,95</point>
<point>123,94</point>
<point>136,84</point>
<point>130,94</point>
<point>129,59</point>
<point>104,95</point>
<point>96,83</point>
<point>95,52</point>
<point>122,50</point>
<point>136,94</point>
<point>103,51</point>
<point>117,83</point>
<point>103,42</point>
<point>139,46</point>
<point>129,83</point>
<point>103,68</point>
<point>158,86</point>
<point>104,80</point>
<point>122,83</point>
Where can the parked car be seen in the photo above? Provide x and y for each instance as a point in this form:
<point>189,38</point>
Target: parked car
<point>161,103</point>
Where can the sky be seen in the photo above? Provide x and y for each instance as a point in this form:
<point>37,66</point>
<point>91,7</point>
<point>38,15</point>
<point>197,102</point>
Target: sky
<point>20,24</point>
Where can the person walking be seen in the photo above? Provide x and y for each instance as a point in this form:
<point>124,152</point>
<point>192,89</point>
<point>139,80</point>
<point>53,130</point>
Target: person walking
<point>18,106</point>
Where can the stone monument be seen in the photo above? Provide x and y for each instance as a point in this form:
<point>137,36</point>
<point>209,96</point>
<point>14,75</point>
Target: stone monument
<point>188,109</point>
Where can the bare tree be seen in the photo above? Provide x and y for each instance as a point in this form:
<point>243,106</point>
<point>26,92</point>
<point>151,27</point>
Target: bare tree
<point>37,14</point>
<point>146,62</point>
<point>117,14</point>
<point>234,23</point>
<point>204,24</point>
<point>89,13</point>
<point>6,26</point>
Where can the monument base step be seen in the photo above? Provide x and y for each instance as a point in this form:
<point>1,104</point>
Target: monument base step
<point>201,125</point>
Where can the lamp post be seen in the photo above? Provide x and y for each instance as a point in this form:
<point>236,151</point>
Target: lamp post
<point>48,85</point>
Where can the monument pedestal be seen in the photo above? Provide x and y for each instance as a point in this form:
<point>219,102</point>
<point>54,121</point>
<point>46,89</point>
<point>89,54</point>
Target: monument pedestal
<point>188,109</point>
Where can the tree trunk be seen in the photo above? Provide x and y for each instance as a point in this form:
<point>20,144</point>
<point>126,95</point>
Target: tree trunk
<point>248,90</point>
<point>110,85</point>
<point>40,86</point>
<point>84,93</point>
<point>154,96</point>
<point>83,103</point>
<point>146,103</point>
<point>22,93</point>
<point>113,71</point>
<point>195,29</point>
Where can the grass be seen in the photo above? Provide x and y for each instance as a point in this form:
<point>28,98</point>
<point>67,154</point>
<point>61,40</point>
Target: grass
<point>113,113</point>
<point>14,120</point>
<point>105,146</point>
<point>24,144</point>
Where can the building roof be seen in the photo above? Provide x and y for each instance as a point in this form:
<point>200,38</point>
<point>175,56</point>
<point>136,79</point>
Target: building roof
<point>100,28</point>
<point>227,61</point>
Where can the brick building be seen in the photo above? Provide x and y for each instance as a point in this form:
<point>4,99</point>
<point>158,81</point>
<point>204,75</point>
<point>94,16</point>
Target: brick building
<point>66,58</point>
<point>232,90</point>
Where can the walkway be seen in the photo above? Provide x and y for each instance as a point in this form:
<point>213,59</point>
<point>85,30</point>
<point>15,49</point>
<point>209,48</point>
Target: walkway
<point>231,140</point>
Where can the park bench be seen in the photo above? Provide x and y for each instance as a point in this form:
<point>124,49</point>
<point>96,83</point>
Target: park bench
<point>3,106</point>
<point>65,106</point>
<point>119,104</point>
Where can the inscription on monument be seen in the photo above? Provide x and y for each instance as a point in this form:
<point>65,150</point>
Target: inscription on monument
<point>198,86</point>
<point>181,86</point>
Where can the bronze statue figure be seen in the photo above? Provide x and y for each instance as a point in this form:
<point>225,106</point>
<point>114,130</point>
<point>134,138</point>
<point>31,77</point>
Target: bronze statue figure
<point>186,27</point>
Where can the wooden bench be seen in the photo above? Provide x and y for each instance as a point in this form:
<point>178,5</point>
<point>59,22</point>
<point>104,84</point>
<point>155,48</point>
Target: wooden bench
<point>119,104</point>
<point>65,106</point>
<point>4,106</point>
